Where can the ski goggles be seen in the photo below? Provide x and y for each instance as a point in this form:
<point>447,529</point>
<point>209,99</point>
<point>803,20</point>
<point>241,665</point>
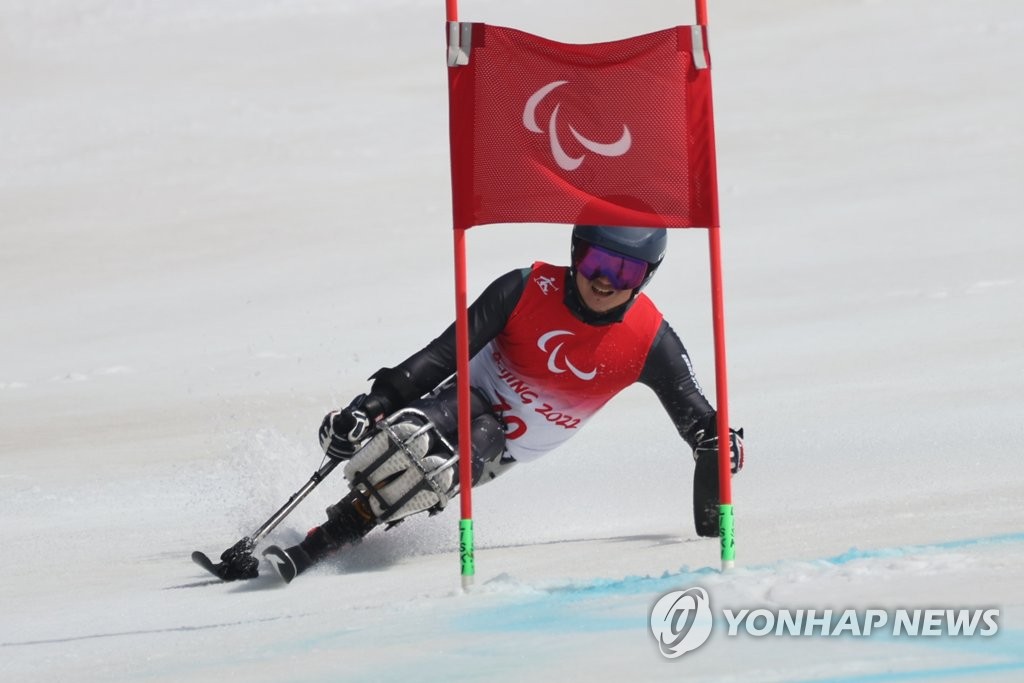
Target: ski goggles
<point>623,272</point>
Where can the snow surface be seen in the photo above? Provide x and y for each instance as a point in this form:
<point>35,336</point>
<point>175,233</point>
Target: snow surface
<point>219,218</point>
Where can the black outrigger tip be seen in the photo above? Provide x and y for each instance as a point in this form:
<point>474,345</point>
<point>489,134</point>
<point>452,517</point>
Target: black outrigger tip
<point>237,563</point>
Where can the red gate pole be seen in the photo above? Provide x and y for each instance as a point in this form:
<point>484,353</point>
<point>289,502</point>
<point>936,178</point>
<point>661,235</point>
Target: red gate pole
<point>725,517</point>
<point>466,542</point>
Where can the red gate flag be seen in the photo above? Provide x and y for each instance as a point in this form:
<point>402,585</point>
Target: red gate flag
<point>616,133</point>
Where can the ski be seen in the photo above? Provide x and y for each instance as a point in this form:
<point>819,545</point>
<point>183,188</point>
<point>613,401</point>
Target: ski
<point>281,562</point>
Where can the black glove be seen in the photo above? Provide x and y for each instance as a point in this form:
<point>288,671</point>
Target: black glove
<point>710,443</point>
<point>343,432</point>
<point>705,478</point>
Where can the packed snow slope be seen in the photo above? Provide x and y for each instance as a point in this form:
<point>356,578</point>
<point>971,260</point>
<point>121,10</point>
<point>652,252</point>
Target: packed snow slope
<point>218,219</point>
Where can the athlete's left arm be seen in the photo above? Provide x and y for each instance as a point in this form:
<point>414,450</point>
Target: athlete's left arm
<point>669,373</point>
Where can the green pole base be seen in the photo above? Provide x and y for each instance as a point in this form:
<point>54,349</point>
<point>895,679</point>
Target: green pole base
<point>728,536</point>
<point>466,551</point>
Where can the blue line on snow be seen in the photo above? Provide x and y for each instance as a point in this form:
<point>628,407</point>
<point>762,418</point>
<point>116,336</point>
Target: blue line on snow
<point>545,608</point>
<point>635,584</point>
<point>926,674</point>
<point>901,551</point>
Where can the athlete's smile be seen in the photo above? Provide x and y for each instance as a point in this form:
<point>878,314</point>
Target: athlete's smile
<point>599,295</point>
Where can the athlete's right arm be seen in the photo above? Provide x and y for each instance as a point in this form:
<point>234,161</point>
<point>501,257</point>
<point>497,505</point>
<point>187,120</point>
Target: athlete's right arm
<point>428,367</point>
<point>669,373</point>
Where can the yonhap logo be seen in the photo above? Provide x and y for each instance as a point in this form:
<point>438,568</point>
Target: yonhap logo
<point>850,622</point>
<point>681,621</point>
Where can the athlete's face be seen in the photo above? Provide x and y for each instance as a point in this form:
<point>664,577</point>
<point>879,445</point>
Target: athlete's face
<point>599,295</point>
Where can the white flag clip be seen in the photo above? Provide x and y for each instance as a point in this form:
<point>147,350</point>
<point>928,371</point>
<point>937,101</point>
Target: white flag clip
<point>697,41</point>
<point>460,42</point>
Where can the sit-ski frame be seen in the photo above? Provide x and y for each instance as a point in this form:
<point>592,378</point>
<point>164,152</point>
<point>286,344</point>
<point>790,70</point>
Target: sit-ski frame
<point>365,490</point>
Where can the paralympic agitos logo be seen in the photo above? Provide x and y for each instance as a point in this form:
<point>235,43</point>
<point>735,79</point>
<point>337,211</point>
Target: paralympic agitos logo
<point>556,358</point>
<point>562,158</point>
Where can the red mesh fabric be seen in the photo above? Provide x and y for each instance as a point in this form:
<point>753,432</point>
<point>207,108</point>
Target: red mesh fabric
<point>615,133</point>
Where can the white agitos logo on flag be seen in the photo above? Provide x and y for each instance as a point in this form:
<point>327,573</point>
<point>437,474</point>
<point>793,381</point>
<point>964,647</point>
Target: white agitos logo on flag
<point>566,162</point>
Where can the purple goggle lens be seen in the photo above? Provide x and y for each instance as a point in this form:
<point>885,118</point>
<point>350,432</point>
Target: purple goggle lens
<point>623,272</point>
